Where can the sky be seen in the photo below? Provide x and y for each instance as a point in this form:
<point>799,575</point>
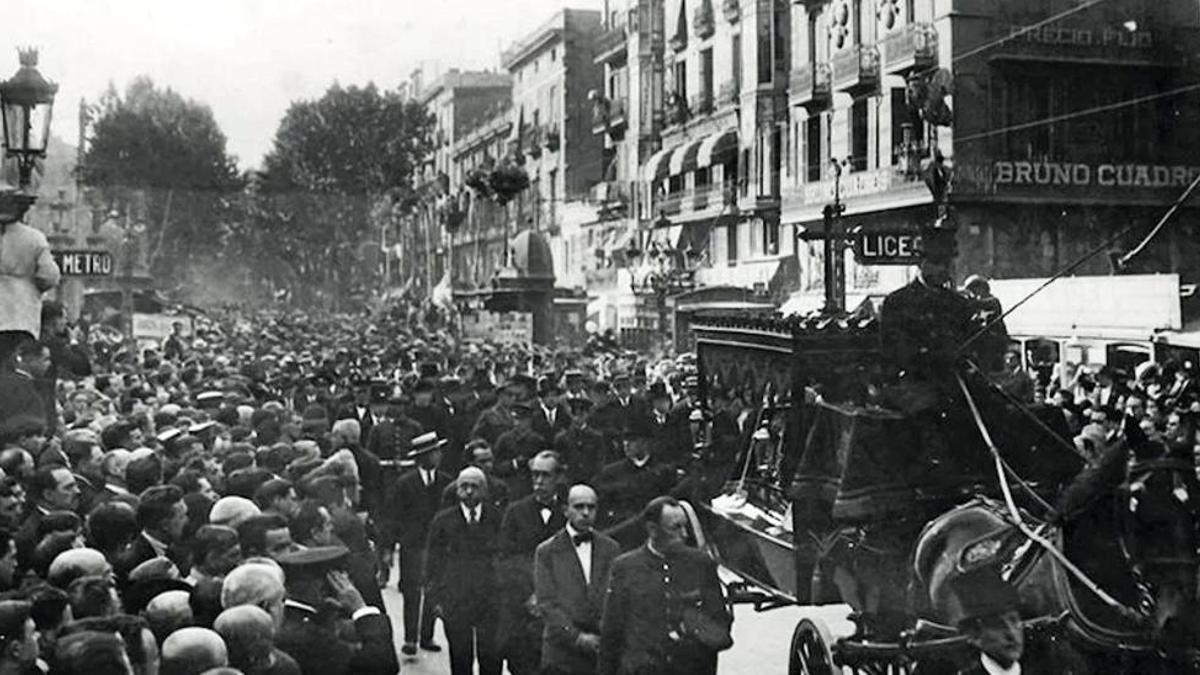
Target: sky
<point>248,59</point>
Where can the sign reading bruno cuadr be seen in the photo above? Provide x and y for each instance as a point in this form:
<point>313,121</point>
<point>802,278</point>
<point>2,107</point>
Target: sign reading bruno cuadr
<point>84,263</point>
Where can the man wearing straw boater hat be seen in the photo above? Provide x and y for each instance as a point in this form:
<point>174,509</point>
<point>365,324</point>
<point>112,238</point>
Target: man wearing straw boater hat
<point>409,507</point>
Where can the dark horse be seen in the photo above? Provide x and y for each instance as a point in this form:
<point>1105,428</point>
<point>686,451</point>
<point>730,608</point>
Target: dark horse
<point>1128,524</point>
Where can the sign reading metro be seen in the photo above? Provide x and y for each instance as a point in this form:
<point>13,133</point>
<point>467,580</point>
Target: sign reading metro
<point>1104,175</point>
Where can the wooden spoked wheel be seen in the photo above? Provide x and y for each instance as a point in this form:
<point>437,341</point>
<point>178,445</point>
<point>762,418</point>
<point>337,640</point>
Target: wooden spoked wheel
<point>811,653</point>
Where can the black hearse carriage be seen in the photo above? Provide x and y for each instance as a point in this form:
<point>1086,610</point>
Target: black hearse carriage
<point>819,454</point>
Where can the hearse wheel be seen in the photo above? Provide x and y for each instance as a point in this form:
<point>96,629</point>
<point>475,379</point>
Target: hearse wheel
<point>811,654</point>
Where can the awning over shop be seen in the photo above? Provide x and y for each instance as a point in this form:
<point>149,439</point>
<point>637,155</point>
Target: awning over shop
<point>716,146</point>
<point>657,166</point>
<point>683,159</point>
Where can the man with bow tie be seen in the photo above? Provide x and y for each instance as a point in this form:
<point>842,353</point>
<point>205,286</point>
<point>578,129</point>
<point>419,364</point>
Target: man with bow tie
<point>527,522</point>
<point>571,571</point>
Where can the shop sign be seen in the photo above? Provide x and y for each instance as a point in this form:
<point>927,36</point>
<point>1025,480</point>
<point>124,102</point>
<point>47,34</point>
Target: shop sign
<point>500,327</point>
<point>1076,174</point>
<point>1066,36</point>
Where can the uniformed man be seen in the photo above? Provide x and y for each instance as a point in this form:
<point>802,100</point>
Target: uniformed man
<point>581,446</point>
<point>320,596</point>
<point>664,613</point>
<point>924,324</point>
<point>515,447</point>
<point>392,431</point>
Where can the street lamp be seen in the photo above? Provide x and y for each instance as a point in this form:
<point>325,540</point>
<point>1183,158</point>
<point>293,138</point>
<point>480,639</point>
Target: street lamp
<point>26,101</point>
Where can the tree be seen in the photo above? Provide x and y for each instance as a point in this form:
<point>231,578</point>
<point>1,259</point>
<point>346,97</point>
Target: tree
<point>338,164</point>
<point>163,157</point>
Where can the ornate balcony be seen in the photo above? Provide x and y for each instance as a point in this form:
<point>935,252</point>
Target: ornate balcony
<point>856,69</point>
<point>676,110</point>
<point>702,104</point>
<point>911,47</point>
<point>811,86</point>
<point>608,116</point>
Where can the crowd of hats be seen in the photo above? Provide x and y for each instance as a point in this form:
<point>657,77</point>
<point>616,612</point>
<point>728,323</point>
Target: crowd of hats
<point>226,421</point>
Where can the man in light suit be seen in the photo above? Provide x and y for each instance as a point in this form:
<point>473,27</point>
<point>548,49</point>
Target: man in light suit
<point>571,571</point>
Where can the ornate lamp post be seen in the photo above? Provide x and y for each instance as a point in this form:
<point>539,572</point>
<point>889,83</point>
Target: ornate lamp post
<point>673,273</point>
<point>26,103</point>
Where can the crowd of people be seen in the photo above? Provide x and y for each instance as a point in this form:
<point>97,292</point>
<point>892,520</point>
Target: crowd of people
<point>238,497</point>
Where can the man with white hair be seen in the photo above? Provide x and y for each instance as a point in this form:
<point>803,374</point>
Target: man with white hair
<point>461,575</point>
<point>256,582</point>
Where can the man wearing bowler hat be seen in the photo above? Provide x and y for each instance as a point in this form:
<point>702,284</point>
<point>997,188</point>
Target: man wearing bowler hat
<point>986,608</point>
<point>625,486</point>
<point>320,595</point>
<point>409,507</point>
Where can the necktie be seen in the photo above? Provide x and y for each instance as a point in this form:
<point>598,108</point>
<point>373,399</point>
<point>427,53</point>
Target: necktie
<point>474,517</point>
<point>581,538</point>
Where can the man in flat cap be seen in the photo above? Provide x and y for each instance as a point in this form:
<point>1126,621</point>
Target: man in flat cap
<point>409,507</point>
<point>309,633</point>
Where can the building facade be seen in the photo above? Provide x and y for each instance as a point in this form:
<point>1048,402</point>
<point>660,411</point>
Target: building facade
<point>679,146</point>
<point>879,91</point>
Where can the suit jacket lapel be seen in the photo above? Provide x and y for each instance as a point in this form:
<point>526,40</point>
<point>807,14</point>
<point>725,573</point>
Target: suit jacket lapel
<point>567,549</point>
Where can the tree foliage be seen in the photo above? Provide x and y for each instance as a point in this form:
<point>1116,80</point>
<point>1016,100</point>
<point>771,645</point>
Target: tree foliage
<point>162,156</point>
<point>338,165</point>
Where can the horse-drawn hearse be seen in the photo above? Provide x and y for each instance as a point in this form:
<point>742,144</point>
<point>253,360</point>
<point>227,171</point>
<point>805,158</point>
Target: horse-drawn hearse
<point>836,491</point>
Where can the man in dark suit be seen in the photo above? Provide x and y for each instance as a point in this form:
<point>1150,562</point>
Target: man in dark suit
<point>162,515</point>
<point>409,507</point>
<point>571,572</point>
<point>358,407</point>
<point>461,575</point>
<point>663,604</point>
<point>626,485</point>
<point>51,488</point>
<point>550,414</point>
<point>527,523</point>
<point>310,632</point>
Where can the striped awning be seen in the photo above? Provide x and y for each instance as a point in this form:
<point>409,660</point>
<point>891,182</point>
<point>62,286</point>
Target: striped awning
<point>683,159</point>
<point>657,166</point>
<point>716,145</point>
